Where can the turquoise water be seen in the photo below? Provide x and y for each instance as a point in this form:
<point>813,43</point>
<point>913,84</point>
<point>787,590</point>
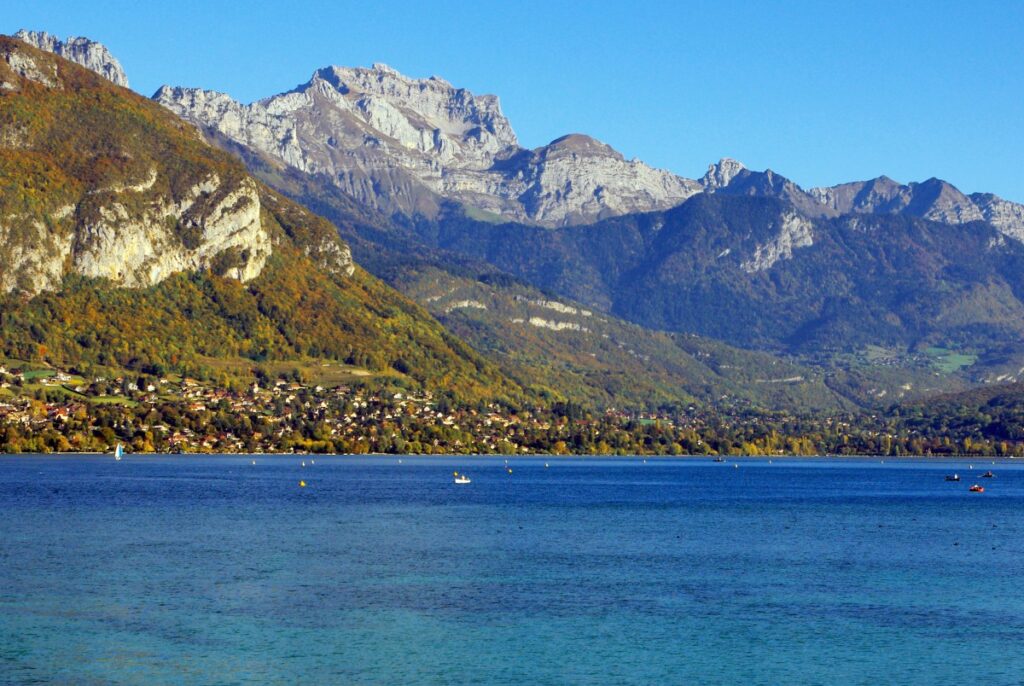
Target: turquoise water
<point>186,570</point>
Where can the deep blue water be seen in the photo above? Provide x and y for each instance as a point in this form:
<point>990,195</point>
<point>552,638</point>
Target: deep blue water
<point>183,570</point>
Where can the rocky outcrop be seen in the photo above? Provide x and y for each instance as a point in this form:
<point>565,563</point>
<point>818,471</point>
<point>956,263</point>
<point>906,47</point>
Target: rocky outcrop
<point>135,228</point>
<point>213,226</point>
<point>1006,216</point>
<point>721,174</point>
<point>794,231</point>
<point>89,54</point>
<point>405,145</point>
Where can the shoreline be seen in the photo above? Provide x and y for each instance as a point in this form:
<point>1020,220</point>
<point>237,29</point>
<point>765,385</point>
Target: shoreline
<point>981,459</point>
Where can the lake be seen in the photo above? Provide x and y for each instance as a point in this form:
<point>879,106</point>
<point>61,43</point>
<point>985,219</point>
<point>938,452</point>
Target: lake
<point>211,570</point>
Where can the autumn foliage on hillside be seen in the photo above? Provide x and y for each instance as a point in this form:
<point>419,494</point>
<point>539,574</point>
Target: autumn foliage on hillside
<point>80,139</point>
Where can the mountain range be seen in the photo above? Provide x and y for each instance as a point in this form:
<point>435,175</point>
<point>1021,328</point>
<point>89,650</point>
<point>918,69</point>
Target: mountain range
<point>408,145</point>
<point>866,290</point>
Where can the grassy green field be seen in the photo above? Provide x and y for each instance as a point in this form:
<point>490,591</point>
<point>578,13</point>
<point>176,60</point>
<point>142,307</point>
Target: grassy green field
<point>949,361</point>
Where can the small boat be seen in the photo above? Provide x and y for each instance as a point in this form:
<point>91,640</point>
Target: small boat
<point>977,489</point>
<point>952,477</point>
<point>987,475</point>
<point>719,459</point>
<point>461,478</point>
<point>118,452</point>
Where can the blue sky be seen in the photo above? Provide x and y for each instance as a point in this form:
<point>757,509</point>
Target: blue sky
<point>822,92</point>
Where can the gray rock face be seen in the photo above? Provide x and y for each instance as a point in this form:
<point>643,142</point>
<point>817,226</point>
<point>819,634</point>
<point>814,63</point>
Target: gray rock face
<point>1006,216</point>
<point>137,232</point>
<point>721,174</point>
<point>89,54</point>
<point>794,231</point>
<point>137,248</point>
<point>405,145</point>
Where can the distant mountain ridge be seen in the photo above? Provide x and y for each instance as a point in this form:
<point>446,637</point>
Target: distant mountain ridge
<point>934,199</point>
<point>401,144</point>
<point>407,145</point>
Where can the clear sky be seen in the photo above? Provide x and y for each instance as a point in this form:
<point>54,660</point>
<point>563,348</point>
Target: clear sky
<point>822,92</point>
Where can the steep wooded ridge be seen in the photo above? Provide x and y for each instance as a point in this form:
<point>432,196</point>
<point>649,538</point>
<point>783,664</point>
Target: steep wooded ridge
<point>126,241</point>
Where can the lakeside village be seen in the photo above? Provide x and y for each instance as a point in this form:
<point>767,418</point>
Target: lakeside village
<point>59,411</point>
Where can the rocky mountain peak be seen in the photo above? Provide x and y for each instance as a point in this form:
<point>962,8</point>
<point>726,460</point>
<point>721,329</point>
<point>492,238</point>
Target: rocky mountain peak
<point>401,144</point>
<point>721,174</point>
<point>580,144</point>
<point>90,54</point>
<point>431,103</point>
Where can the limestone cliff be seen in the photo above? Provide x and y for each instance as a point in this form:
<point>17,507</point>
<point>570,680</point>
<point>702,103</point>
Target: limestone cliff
<point>90,54</point>
<point>82,195</point>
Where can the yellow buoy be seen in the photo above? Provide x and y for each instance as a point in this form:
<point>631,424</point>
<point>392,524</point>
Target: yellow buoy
<point>509,470</point>
<point>302,484</point>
